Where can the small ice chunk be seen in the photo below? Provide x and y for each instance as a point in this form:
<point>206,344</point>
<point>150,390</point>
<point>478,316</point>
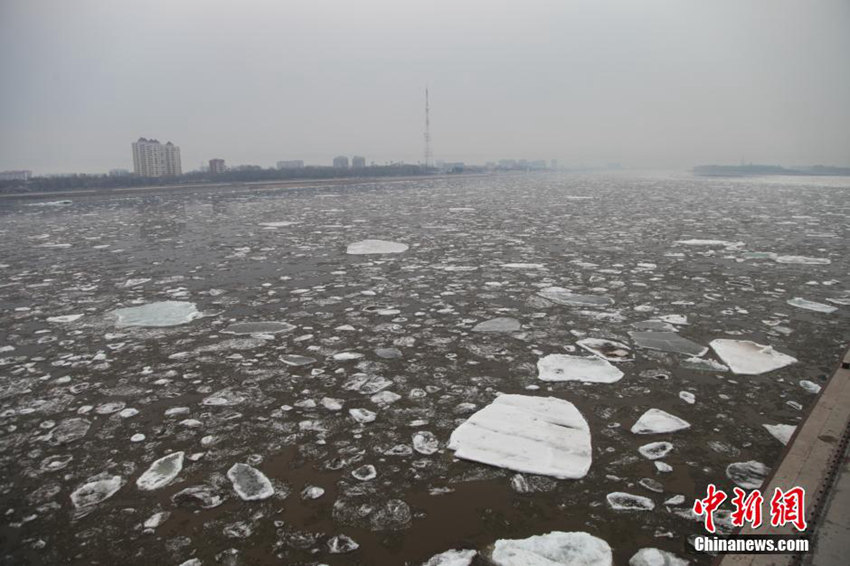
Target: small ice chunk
<point>362,415</point>
<point>667,342</point>
<point>332,404</point>
<point>295,360</point>
<point>342,544</point>
<point>802,260</point>
<point>501,324</point>
<point>675,500</point>
<point>68,431</point>
<point>160,314</point>
<point>621,501</point>
<point>138,437</point>
<point>347,356</point>
<point>663,467</point>
<point>566,297</point>
<point>781,432</point>
<point>655,450</point>
<point>388,353</point>
<point>536,435</point>
<point>810,386</point>
<point>365,473</point>
<point>64,318</point>
<point>161,473</point>
<point>91,493</point>
<point>698,242</point>
<point>425,442</point>
<point>678,319</point>
<point>385,398</point>
<point>748,358</point>
<point>703,364</point>
<point>564,367</point>
<point>556,548</point>
<point>749,475</point>
<point>656,421</point>
<point>607,349</point>
<point>156,519</point>
<point>197,495</point>
<point>801,303</point>
<point>364,247</point>
<point>270,327</point>
<point>687,397</point>
<point>656,557</point>
<point>312,492</point>
<point>452,558</point>
<point>523,266</point>
<point>249,483</point>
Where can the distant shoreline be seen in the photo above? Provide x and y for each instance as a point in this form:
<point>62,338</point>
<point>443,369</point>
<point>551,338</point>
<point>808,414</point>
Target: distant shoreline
<point>268,185</point>
<point>758,170</point>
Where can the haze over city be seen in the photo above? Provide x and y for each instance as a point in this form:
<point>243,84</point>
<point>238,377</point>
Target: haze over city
<point>652,84</point>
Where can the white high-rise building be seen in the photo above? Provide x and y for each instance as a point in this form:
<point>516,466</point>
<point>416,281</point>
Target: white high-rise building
<point>152,159</point>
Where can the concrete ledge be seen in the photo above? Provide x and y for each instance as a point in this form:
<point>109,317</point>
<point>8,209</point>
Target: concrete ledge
<point>811,460</point>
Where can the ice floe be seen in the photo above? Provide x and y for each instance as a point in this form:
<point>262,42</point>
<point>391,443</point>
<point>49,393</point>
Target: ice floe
<point>568,298</point>
<point>342,544</point>
<point>249,483</point>
<point>93,492</point>
<point>607,349</point>
<point>781,432</point>
<point>160,314</point>
<point>620,501</point>
<point>451,558</point>
<point>425,442</point>
<point>655,450</point>
<point>270,327</point>
<point>801,303</point>
<point>749,358</point>
<point>502,324</point>
<point>697,242</point>
<point>656,557</point>
<point>667,342</point>
<point>810,386</point>
<point>65,318</point>
<point>802,260</point>
<point>537,435</point>
<point>161,473</point>
<point>565,367</point>
<point>749,475</point>
<point>656,421</point>
<point>556,548</point>
<point>364,247</point>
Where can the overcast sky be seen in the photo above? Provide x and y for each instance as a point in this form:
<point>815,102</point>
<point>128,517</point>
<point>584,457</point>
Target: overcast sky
<point>645,83</point>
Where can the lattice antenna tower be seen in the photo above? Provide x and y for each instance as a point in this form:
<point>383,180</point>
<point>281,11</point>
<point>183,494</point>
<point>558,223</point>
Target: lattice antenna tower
<point>427,131</point>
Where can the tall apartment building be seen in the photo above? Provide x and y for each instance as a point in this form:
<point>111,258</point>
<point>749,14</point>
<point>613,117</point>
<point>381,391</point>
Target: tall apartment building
<point>358,162</point>
<point>293,164</point>
<point>341,162</point>
<point>217,166</point>
<point>22,175</point>
<point>153,159</point>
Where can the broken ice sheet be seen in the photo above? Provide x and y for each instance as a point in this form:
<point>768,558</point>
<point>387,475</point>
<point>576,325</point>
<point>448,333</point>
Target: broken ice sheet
<point>667,342</point>
<point>801,303</point>
<point>564,367</point>
<point>64,318</point>
<point>607,349</point>
<point>364,247</point>
<point>270,327</point>
<point>537,435</point>
<point>620,501</point>
<point>749,475</point>
<point>249,483</point>
<point>451,558</point>
<point>556,548</point>
<point>656,557</point>
<point>656,421</point>
<point>161,473</point>
<point>93,492</point>
<point>781,432</point>
<point>160,314</point>
<point>566,297</point>
<point>749,358</point>
<point>502,324</point>
<point>802,260</point>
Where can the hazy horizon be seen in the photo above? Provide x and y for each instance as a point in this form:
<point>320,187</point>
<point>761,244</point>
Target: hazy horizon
<point>657,84</point>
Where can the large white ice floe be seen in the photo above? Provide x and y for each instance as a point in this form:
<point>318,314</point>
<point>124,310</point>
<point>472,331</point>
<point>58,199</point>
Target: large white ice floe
<point>656,557</point>
<point>781,432</point>
<point>452,558</point>
<point>249,483</point>
<point>160,314</point>
<point>364,247</point>
<point>656,421</point>
<point>64,318</point>
<point>697,242</point>
<point>536,435</point>
<point>748,358</point>
<point>557,548</point>
<point>161,473</point>
<point>564,367</point>
<point>91,493</point>
<point>607,349</point>
<point>566,297</point>
<point>801,303</point>
<point>667,342</point>
<point>501,324</point>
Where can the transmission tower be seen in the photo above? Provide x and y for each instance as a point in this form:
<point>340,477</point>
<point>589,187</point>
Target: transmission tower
<point>427,132</point>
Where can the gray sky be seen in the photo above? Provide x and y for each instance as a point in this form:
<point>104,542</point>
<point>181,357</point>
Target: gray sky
<point>651,84</point>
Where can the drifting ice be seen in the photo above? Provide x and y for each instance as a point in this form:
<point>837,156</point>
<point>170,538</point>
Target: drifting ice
<point>161,314</point>
<point>564,367</point>
<point>161,472</point>
<point>607,349</point>
<point>91,493</point>
<point>376,247</point>
<point>537,435</point>
<point>565,297</point>
<point>249,483</point>
<point>748,358</point>
<point>801,303</point>
<point>656,421</point>
<point>503,324</point>
<point>557,548</point>
<point>667,342</point>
